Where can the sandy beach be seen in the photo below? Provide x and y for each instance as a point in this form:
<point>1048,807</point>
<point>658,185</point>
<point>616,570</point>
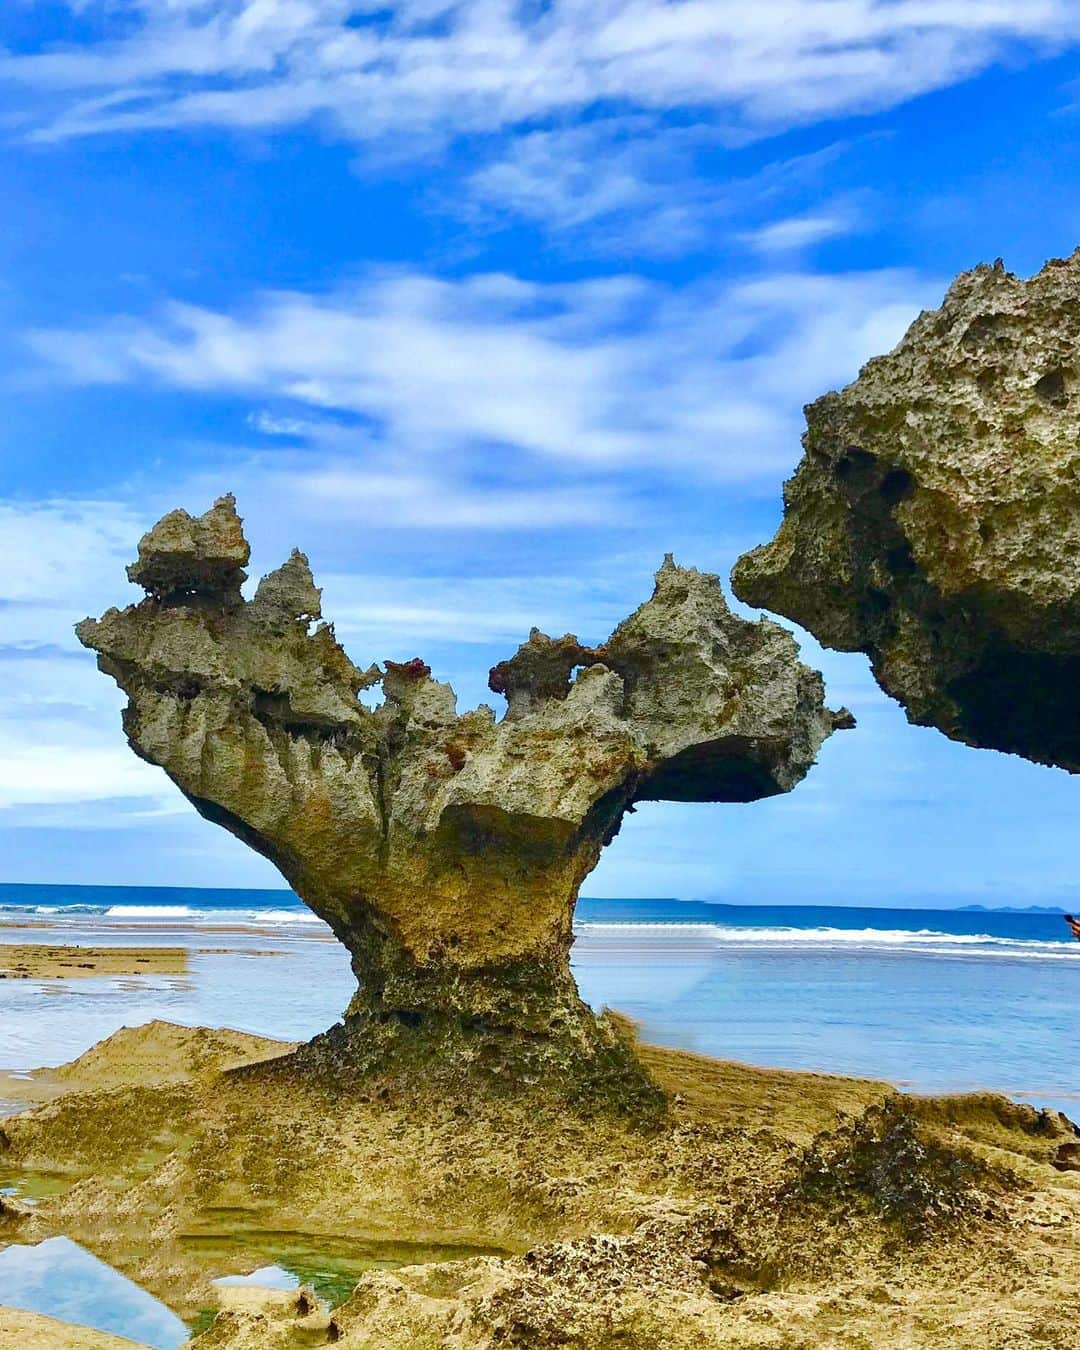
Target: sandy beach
<point>24,961</point>
<point>758,1206</point>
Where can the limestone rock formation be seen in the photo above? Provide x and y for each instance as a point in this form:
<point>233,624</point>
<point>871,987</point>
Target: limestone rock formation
<point>445,850</point>
<point>934,522</point>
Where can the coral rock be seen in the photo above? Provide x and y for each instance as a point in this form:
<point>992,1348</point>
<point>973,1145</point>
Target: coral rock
<point>934,522</point>
<point>184,557</point>
<point>446,850</point>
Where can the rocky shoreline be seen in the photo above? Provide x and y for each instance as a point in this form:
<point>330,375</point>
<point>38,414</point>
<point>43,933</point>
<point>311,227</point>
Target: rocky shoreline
<point>761,1207</point>
<point>627,1198</point>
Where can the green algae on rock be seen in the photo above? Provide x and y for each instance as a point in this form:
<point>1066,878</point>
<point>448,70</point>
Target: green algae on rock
<point>934,521</point>
<point>446,850</point>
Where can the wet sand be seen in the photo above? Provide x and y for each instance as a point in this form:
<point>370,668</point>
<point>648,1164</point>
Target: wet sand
<point>21,1330</point>
<point>25,961</point>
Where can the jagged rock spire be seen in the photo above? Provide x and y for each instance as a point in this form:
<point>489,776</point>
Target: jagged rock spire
<point>289,594</point>
<point>184,555</point>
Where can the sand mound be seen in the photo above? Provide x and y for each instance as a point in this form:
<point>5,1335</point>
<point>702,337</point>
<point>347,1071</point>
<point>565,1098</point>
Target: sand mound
<point>160,1052</point>
<point>763,1208</point>
<point>156,1054</point>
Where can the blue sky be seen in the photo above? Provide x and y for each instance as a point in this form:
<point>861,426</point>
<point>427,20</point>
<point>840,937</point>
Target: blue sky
<point>487,306</point>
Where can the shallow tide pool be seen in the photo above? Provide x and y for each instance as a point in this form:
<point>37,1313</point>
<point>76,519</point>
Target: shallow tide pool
<point>59,1278</point>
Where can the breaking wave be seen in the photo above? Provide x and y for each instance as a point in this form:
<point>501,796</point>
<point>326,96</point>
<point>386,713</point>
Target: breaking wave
<point>925,940</point>
<point>149,912</point>
<point>199,917</point>
<point>775,936</point>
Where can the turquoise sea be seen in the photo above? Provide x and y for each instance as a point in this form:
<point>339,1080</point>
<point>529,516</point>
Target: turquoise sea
<point>932,1000</point>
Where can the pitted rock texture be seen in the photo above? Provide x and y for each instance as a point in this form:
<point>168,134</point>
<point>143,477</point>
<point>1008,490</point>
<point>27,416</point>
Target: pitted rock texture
<point>445,850</point>
<point>934,522</point>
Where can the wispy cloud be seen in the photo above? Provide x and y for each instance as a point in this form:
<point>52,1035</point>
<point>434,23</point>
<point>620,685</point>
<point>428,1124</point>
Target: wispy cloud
<point>382,611</point>
<point>65,772</point>
<point>431,69</point>
<point>60,557</point>
<point>799,232</point>
<point>634,186</point>
<point>613,185</point>
<point>593,375</point>
<point>339,481</point>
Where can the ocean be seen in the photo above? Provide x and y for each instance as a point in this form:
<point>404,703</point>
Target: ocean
<point>931,1000</point>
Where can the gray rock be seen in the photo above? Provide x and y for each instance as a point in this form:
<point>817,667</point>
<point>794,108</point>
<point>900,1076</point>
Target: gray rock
<point>446,850</point>
<point>183,557</point>
<point>934,522</point>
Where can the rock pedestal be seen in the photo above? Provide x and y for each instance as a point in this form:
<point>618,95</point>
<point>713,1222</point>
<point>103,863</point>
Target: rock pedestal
<point>446,850</point>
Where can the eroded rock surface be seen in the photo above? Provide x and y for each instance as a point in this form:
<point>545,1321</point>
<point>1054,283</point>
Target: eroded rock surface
<point>934,522</point>
<point>766,1207</point>
<point>445,850</point>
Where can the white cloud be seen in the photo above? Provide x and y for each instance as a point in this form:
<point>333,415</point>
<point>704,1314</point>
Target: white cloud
<point>415,68</point>
<point>60,738</point>
<point>340,481</point>
<point>381,612</point>
<point>438,379</point>
<point>617,184</point>
<point>59,719</point>
<point>798,232</point>
<point>50,774</point>
<point>60,559</point>
<point>630,185</point>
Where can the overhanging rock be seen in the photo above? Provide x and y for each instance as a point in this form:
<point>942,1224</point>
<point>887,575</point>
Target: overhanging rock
<point>934,521</point>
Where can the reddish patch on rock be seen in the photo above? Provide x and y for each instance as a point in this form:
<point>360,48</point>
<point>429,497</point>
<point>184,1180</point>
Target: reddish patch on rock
<point>409,670</point>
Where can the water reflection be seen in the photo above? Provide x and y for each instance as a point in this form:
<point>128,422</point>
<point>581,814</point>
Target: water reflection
<point>60,1279</point>
<point>330,1266</point>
